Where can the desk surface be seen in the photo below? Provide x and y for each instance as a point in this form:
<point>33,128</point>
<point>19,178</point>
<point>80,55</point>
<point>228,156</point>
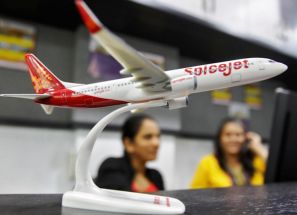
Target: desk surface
<point>269,199</point>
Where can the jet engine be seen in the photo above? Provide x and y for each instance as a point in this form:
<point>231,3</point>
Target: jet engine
<point>184,83</point>
<point>177,103</point>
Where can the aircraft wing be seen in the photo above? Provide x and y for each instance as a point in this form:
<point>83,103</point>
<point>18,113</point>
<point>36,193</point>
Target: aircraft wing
<point>27,96</point>
<point>149,76</point>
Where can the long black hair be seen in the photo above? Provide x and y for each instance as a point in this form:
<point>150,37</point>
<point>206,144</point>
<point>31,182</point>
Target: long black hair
<point>246,156</point>
<point>132,125</point>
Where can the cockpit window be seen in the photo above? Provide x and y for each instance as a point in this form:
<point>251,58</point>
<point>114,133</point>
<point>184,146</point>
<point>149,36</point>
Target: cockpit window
<point>271,61</point>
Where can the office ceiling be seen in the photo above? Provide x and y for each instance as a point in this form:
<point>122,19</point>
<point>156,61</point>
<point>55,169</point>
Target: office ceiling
<point>193,37</point>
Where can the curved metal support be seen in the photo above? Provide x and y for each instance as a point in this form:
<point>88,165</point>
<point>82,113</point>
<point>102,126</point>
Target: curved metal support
<point>86,195</point>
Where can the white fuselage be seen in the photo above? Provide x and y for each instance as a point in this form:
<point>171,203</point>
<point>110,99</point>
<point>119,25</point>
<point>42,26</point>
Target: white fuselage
<point>208,77</point>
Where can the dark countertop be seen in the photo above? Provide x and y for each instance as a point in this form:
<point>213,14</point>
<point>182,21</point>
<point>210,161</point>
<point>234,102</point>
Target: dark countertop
<point>268,199</point>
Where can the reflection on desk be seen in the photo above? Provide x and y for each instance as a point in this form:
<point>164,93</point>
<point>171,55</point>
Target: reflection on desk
<point>269,199</point>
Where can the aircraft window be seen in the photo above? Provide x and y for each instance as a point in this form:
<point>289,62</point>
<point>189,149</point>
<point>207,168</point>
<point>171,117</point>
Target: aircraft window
<point>271,61</point>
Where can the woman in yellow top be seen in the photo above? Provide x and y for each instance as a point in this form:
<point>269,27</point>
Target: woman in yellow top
<point>239,159</point>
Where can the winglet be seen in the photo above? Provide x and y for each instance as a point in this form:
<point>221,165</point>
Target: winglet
<point>90,20</point>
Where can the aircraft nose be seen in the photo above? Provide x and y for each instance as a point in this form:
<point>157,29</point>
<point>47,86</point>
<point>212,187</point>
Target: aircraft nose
<point>282,67</point>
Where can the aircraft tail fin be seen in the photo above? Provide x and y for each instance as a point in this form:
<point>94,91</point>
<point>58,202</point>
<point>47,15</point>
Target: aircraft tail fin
<point>43,79</point>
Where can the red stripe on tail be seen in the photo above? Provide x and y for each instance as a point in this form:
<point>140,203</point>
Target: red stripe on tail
<point>42,79</point>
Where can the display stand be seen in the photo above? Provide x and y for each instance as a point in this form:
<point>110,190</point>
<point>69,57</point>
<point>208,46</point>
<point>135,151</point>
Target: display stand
<point>86,195</point>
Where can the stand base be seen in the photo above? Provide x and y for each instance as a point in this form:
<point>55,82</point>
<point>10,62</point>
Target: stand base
<point>123,202</point>
<point>87,195</point>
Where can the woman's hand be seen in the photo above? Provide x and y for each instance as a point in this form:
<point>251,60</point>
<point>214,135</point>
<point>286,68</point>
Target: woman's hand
<point>256,146</point>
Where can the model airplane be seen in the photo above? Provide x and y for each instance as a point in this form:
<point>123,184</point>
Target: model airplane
<point>149,82</point>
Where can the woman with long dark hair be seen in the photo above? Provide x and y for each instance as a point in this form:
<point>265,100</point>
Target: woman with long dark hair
<point>141,139</point>
<point>238,159</point>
